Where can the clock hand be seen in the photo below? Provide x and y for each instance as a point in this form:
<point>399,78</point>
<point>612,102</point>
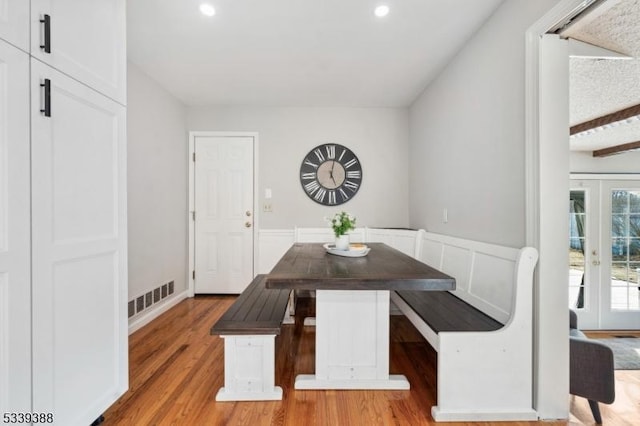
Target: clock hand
<point>333,164</point>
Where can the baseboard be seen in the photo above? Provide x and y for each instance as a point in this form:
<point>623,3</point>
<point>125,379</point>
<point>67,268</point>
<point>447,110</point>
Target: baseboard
<point>474,415</point>
<point>157,310</point>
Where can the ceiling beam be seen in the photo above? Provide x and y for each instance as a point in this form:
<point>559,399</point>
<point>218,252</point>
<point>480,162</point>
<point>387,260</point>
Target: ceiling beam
<point>623,114</point>
<point>618,149</point>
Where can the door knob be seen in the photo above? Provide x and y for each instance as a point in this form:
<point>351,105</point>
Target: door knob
<point>595,263</point>
<point>248,213</point>
<point>247,224</point>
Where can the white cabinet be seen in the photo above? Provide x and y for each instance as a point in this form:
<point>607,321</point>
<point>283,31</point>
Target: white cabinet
<point>63,234</point>
<point>79,249</point>
<point>15,286</point>
<point>84,39</point>
<point>14,22</point>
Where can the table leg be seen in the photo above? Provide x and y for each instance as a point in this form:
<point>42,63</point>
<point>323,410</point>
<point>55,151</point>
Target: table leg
<point>352,342</point>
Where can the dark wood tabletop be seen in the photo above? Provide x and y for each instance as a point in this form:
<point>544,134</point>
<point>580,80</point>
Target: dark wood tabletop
<point>307,266</point>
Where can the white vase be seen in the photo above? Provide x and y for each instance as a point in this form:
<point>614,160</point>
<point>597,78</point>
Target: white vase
<point>342,242</point>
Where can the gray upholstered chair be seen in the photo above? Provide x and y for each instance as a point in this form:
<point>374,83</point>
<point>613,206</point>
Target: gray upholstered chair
<point>590,369</point>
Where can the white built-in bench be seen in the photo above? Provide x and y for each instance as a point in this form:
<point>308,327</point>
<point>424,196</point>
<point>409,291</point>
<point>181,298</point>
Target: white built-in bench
<point>483,335</point>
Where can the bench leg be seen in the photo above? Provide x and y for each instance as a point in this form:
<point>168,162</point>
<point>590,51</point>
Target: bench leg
<point>290,313</point>
<point>249,369</point>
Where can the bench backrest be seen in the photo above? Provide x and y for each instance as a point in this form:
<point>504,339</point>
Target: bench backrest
<point>324,235</point>
<point>485,273</point>
<point>400,239</point>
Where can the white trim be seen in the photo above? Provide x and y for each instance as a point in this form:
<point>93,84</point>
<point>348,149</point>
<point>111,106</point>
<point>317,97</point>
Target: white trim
<point>256,210</point>
<point>157,310</point>
<point>580,49</point>
<point>546,394</point>
<point>605,176</point>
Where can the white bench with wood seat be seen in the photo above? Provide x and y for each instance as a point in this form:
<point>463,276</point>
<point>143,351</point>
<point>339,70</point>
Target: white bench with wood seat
<point>249,328</point>
<point>482,331</point>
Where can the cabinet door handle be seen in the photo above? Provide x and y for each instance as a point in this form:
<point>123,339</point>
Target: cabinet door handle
<point>47,97</point>
<point>47,34</point>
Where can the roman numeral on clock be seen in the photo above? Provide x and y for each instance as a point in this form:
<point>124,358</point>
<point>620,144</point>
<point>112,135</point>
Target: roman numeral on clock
<point>332,197</point>
<point>312,187</point>
<point>351,185</point>
<point>320,195</point>
<point>350,163</point>
<point>308,176</point>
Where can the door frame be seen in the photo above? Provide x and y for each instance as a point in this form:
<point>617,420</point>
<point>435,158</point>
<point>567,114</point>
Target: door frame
<point>545,167</point>
<point>190,217</point>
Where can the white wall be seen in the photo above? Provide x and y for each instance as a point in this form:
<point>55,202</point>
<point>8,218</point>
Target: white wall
<point>467,135</point>
<point>157,185</point>
<point>378,136</point>
<point>584,162</point>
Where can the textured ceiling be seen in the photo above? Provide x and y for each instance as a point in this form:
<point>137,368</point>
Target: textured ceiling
<point>299,52</point>
<point>602,86</point>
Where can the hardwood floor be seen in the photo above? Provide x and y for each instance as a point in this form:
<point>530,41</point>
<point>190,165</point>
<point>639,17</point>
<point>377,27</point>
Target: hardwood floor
<point>176,368</point>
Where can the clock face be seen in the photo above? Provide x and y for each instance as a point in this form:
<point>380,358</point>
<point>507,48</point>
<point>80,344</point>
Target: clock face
<point>331,174</point>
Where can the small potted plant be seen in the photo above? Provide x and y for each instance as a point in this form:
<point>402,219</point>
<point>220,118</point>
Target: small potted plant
<point>341,224</point>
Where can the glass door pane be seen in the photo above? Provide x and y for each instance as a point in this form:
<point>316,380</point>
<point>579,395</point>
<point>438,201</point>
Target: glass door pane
<point>625,249</point>
<point>584,250</point>
<point>577,245</point>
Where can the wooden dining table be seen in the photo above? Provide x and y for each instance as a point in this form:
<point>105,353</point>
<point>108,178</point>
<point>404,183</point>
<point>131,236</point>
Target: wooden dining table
<point>352,310</point>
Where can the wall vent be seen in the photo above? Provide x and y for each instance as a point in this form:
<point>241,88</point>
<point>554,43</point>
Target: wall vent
<point>145,301</point>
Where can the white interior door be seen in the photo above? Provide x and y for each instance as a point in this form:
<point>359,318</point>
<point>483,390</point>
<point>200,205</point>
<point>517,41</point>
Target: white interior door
<point>79,251</point>
<point>224,216</point>
<point>15,255</point>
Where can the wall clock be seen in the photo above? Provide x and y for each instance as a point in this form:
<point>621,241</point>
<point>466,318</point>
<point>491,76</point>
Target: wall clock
<point>331,174</point>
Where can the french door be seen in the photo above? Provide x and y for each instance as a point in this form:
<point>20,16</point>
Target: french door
<point>604,248</point>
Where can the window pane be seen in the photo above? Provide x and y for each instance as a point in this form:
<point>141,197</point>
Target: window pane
<point>634,201</point>
<point>634,226</point>
<point>619,249</point>
<point>619,202</point>
<point>619,225</point>
<point>634,275</point>
<point>634,249</point>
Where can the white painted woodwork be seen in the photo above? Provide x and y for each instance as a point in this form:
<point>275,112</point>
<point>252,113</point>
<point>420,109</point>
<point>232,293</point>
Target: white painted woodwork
<point>551,228</point>
<point>14,22</point>
<point>15,275</point>
<point>352,342</point>
<point>483,375</point>
<point>400,239</point>
<point>87,42</point>
<point>224,216</point>
<point>272,245</point>
<point>249,369</point>
<point>79,252</point>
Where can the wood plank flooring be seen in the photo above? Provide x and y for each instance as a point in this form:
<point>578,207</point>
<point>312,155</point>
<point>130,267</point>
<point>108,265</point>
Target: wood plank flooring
<point>176,368</point>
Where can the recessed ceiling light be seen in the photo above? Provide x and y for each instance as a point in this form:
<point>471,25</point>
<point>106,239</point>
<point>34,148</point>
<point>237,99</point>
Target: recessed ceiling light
<point>207,9</point>
<point>382,10</point>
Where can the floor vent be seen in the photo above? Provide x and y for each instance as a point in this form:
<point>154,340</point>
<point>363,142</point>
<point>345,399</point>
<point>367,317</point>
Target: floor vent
<point>148,299</point>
